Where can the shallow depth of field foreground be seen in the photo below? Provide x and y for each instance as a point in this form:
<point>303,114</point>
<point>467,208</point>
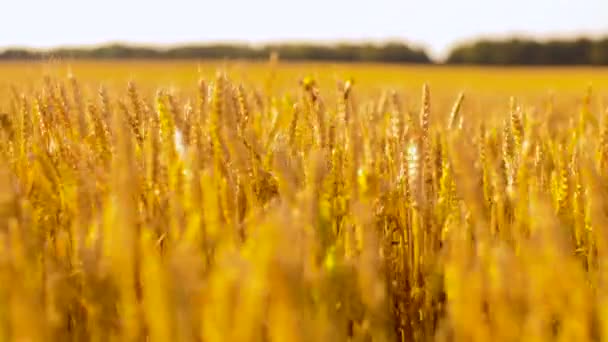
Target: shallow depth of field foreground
<point>280,203</point>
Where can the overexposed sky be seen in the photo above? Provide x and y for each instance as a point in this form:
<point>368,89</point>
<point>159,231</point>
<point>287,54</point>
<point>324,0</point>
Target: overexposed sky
<point>433,24</point>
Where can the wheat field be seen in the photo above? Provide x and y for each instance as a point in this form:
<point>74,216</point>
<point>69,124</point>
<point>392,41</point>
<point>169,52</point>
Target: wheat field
<point>234,201</point>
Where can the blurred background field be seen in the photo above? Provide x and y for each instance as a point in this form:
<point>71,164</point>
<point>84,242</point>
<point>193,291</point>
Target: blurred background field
<point>485,85</point>
<point>483,80</point>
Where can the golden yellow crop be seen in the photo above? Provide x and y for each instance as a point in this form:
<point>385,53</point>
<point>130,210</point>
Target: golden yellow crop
<point>288,202</point>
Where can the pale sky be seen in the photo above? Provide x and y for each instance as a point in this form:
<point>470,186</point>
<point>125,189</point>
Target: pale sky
<point>433,24</point>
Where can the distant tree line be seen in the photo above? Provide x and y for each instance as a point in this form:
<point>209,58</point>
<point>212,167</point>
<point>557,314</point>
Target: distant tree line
<point>483,52</point>
<point>391,52</point>
<point>530,52</point>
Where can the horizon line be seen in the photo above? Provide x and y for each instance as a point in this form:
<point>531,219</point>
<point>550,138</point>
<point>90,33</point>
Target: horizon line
<point>434,56</point>
<point>257,43</point>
